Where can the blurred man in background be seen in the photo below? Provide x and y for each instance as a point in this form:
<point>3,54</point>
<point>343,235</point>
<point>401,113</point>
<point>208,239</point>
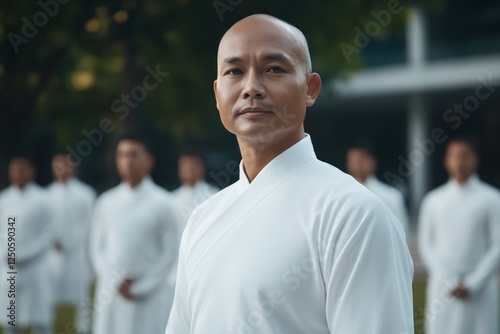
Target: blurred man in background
<point>194,189</point>
<point>34,237</point>
<point>459,239</point>
<point>134,247</point>
<point>72,202</point>
<point>362,165</point>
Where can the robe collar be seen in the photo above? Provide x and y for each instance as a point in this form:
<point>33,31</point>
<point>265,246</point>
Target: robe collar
<point>198,184</point>
<point>300,150</point>
<point>144,184</point>
<point>472,181</point>
<point>64,185</point>
<point>27,188</point>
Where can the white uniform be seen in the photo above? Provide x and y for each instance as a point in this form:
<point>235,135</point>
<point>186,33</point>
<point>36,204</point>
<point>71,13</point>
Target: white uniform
<point>134,235</point>
<point>459,239</point>
<point>392,198</point>
<point>34,237</point>
<point>189,198</point>
<point>73,203</point>
<point>303,248</point>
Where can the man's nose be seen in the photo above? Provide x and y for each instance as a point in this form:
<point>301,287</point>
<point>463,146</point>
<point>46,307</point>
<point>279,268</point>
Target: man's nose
<point>254,87</point>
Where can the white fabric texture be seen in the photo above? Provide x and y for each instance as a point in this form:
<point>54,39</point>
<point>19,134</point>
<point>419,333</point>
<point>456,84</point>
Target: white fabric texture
<point>303,248</point>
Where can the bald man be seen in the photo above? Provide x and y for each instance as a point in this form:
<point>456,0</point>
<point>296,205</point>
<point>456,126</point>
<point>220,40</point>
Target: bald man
<point>295,245</point>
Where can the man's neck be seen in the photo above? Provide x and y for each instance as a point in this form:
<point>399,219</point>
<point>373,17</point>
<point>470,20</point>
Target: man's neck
<point>462,181</point>
<point>63,180</point>
<point>134,183</point>
<point>22,186</point>
<point>257,155</point>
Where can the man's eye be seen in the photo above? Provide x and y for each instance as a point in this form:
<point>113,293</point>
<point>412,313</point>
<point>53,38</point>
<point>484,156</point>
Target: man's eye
<point>275,69</point>
<point>234,72</point>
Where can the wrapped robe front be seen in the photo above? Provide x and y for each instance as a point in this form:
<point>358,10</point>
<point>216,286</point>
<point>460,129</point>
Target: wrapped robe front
<point>303,248</point>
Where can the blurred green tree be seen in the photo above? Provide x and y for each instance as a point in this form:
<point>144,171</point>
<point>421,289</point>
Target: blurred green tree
<point>67,67</point>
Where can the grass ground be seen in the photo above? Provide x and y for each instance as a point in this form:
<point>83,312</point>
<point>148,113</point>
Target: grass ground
<point>65,315</point>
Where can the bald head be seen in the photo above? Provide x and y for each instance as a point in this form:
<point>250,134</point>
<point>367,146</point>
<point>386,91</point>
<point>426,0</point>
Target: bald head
<point>266,28</point>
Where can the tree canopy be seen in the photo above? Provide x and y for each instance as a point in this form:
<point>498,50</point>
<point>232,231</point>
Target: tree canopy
<point>71,68</point>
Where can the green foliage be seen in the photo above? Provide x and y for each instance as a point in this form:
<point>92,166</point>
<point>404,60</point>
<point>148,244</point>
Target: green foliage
<point>68,74</point>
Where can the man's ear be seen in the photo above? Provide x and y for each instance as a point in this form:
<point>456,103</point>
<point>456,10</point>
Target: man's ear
<point>215,93</point>
<point>313,88</point>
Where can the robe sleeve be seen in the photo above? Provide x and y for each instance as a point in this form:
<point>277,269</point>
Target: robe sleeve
<point>426,235</point>
<point>97,241</point>
<point>367,271</point>
<point>159,273</point>
<point>490,262</point>
<point>179,321</point>
<point>45,234</point>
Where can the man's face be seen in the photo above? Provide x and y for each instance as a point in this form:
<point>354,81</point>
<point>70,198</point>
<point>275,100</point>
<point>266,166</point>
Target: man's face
<point>360,164</point>
<point>21,172</point>
<point>133,161</point>
<point>191,169</point>
<point>460,161</point>
<point>262,87</point>
<point>62,167</point>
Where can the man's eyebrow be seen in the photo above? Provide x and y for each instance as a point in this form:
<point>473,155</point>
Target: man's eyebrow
<point>276,57</point>
<point>232,60</point>
<point>279,57</point>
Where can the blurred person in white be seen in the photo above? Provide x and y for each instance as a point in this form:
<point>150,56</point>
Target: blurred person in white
<point>459,240</point>
<point>73,202</point>
<point>194,189</point>
<point>134,246</point>
<point>362,164</point>
<point>34,237</point>
<point>294,246</point>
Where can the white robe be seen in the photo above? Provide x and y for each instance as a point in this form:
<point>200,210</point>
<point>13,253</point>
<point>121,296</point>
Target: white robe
<point>303,248</point>
<point>73,203</point>
<point>392,198</point>
<point>459,239</point>
<point>34,237</point>
<point>134,235</point>
<point>189,198</point>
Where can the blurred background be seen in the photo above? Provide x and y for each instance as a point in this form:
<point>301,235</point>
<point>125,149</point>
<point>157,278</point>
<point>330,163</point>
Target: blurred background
<point>406,75</point>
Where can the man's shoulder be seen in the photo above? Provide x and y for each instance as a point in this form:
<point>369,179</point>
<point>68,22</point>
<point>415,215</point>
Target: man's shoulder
<point>328,179</point>
<point>6,192</point>
<point>37,190</point>
<point>325,187</point>
<point>109,194</point>
<point>435,194</point>
<point>387,189</point>
<point>85,188</point>
<point>490,191</point>
<point>161,194</point>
